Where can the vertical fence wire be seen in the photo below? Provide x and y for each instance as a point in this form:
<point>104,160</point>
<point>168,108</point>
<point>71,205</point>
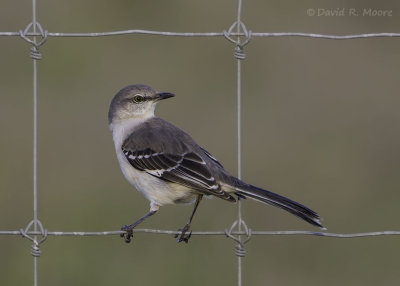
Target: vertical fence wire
<point>35,141</point>
<point>239,131</point>
<point>239,103</point>
<point>239,141</point>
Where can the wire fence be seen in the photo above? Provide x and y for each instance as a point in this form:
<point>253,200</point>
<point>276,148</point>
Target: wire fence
<point>240,36</point>
<point>225,232</point>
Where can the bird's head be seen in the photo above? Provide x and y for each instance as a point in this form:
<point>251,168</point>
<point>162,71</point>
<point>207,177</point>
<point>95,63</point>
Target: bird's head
<point>135,101</point>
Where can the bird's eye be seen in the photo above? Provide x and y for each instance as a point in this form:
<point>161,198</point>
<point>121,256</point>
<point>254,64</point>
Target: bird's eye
<point>138,98</point>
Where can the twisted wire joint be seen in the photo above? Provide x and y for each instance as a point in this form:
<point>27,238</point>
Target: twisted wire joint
<point>241,28</point>
<point>239,248</point>
<point>35,248</point>
<point>35,53</point>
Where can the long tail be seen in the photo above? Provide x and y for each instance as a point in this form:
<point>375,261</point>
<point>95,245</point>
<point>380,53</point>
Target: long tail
<point>303,212</point>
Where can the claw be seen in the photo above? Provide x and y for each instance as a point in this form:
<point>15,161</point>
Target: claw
<point>183,236</point>
<point>128,233</point>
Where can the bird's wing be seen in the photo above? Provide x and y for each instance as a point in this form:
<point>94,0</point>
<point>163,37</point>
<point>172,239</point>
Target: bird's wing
<point>162,150</point>
<point>187,169</point>
<point>211,157</point>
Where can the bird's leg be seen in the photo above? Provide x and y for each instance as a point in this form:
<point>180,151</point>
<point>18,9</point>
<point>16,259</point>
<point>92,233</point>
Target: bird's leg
<point>183,236</point>
<point>129,228</point>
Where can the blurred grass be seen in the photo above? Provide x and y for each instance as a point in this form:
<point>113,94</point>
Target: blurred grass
<point>320,125</point>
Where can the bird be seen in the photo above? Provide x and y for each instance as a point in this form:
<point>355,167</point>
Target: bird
<point>167,166</point>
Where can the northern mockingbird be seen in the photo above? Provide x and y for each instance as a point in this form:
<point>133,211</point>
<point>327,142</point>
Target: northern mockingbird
<point>168,167</point>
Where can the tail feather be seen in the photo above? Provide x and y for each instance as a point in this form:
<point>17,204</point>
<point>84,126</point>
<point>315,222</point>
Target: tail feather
<point>282,202</point>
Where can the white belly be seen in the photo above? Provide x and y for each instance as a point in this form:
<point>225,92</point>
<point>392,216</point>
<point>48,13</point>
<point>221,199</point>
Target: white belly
<point>156,190</point>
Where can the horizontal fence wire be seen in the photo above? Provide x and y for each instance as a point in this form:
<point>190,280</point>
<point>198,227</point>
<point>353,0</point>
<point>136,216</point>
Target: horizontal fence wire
<point>209,233</point>
<point>207,34</point>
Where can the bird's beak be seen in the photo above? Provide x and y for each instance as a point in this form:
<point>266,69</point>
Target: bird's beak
<point>164,95</point>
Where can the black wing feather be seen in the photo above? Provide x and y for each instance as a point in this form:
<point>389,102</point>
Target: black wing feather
<point>187,169</point>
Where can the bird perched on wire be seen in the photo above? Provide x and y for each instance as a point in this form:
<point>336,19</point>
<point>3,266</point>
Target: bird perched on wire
<point>168,167</point>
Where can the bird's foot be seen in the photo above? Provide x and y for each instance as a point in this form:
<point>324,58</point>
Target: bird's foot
<point>184,236</point>
<point>128,233</point>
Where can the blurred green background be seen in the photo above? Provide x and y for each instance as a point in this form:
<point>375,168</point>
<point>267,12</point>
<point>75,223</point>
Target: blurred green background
<point>320,125</point>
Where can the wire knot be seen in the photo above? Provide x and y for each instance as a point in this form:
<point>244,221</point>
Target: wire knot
<point>239,248</point>
<point>35,53</point>
<point>240,251</point>
<point>35,248</point>
<point>241,30</point>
